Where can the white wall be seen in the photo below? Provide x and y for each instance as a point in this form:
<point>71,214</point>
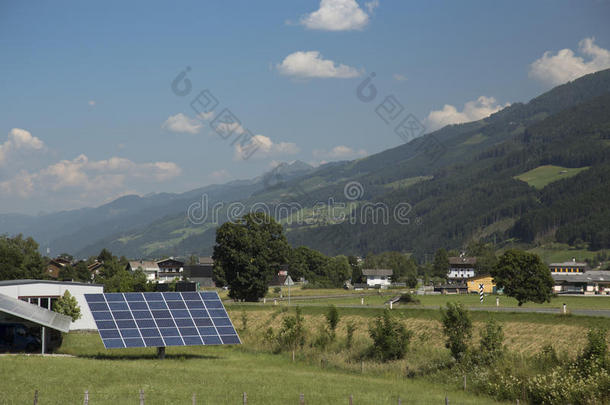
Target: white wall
<point>378,280</point>
<point>56,288</point>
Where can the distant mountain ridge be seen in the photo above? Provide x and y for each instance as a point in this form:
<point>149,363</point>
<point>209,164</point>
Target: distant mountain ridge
<point>467,191</point>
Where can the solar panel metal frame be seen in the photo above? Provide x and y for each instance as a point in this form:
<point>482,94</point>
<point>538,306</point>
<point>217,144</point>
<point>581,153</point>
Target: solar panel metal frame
<point>34,313</point>
<point>161,319</point>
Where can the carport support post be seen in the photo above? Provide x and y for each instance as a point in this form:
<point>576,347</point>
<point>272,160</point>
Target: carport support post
<point>43,339</point>
<point>161,352</point>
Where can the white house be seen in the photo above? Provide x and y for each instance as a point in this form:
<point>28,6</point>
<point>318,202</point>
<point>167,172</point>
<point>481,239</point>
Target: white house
<point>461,268</point>
<point>150,268</point>
<point>44,293</point>
<point>162,271</point>
<point>380,277</point>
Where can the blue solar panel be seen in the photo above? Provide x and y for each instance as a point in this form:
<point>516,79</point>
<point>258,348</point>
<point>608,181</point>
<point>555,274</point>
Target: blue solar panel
<point>161,319</point>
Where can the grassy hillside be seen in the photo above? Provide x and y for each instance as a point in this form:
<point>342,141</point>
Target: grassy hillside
<point>541,176</point>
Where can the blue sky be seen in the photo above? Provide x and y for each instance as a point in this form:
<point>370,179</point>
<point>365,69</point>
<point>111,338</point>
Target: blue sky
<point>87,111</point>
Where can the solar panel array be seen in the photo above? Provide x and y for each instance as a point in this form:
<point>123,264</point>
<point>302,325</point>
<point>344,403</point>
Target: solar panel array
<point>158,319</point>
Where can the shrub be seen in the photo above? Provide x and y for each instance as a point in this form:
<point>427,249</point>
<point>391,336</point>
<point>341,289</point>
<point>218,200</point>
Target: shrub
<point>491,347</point>
<point>332,317</point>
<point>390,338</point>
<point>351,328</point>
<point>244,321</point>
<point>67,305</point>
<point>277,290</point>
<point>292,333</point>
<point>595,353</point>
<point>547,358</point>
<point>407,298</point>
<point>457,327</point>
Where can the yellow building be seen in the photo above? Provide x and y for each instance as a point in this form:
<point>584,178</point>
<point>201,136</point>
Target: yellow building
<point>489,287</point>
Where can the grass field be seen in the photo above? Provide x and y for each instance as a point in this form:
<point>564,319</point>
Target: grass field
<point>543,175</point>
<point>217,375</point>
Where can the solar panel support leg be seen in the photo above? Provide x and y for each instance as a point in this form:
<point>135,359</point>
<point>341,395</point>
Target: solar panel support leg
<point>161,353</point>
<point>43,339</point>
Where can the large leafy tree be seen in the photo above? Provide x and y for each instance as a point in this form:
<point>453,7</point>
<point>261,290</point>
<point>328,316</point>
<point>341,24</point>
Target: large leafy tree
<point>247,253</point>
<point>523,276</point>
<point>19,258</point>
<point>440,267</point>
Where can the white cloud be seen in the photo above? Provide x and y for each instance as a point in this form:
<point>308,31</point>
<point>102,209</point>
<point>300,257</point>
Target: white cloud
<point>265,147</point>
<point>399,78</point>
<point>565,65</point>
<point>206,116</point>
<point>84,175</point>
<point>371,6</point>
<point>91,103</point>
<point>473,110</point>
<point>18,139</point>
<point>338,15</point>
<point>310,64</point>
<point>182,123</point>
<point>340,152</point>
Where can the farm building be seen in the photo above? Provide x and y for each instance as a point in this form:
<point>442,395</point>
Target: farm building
<point>162,271</point>
<point>378,277</point>
<point>568,267</point>
<point>453,288</point>
<point>461,268</point>
<point>489,287</point>
<point>587,283</point>
<point>200,273</point>
<point>45,293</point>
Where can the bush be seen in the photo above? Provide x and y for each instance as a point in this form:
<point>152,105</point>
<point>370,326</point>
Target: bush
<point>457,327</point>
<point>595,353</point>
<point>332,317</point>
<point>277,290</point>
<point>349,340</point>
<point>292,333</point>
<point>390,338</point>
<point>67,305</point>
<point>491,347</point>
<point>407,298</point>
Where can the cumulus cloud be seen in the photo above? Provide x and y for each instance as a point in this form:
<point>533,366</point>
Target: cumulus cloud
<point>265,147</point>
<point>183,124</point>
<point>340,152</point>
<point>566,65</point>
<point>18,139</point>
<point>85,175</point>
<point>473,110</point>
<point>311,64</point>
<point>338,15</point>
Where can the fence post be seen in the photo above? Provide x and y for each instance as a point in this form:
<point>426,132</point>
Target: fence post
<point>36,397</point>
<point>141,397</point>
<point>351,399</point>
<point>194,399</point>
<point>245,398</point>
<point>446,400</point>
<point>399,401</point>
<point>464,382</point>
<point>293,356</point>
<point>302,399</point>
<point>86,400</point>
